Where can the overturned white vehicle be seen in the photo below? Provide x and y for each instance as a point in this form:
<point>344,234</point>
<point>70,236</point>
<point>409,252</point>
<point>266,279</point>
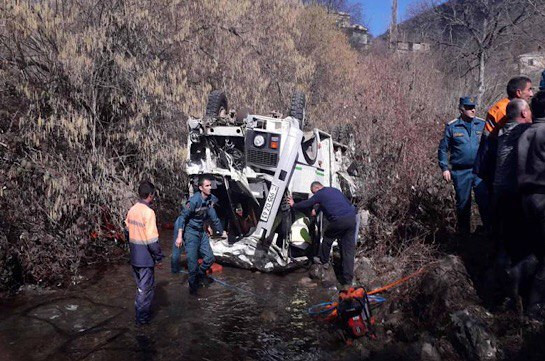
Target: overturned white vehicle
<point>255,161</point>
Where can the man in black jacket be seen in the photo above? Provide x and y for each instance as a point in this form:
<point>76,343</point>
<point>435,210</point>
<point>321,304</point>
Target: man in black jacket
<point>531,182</point>
<point>514,257</point>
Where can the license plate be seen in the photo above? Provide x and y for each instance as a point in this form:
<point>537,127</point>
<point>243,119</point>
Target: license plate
<point>267,208</point>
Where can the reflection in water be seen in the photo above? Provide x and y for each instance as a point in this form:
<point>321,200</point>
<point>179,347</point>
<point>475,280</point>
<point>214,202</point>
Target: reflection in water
<point>146,349</point>
<point>245,316</point>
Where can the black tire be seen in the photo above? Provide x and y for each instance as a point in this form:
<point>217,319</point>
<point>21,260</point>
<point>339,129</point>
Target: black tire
<point>297,107</point>
<point>342,133</point>
<point>217,104</point>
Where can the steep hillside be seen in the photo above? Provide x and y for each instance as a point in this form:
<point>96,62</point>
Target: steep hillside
<point>479,42</point>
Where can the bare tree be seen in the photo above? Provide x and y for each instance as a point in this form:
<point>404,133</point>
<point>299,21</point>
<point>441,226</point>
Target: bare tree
<point>476,29</point>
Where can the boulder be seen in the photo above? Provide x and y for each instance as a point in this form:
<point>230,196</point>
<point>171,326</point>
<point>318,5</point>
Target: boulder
<point>445,288</point>
<point>324,274</point>
<point>470,336</point>
<point>329,278</point>
<point>364,273</point>
<point>448,302</point>
<point>316,272</point>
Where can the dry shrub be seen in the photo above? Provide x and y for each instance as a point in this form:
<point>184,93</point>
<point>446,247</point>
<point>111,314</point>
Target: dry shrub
<point>95,94</point>
<point>101,91</point>
<point>403,106</point>
<point>97,107</point>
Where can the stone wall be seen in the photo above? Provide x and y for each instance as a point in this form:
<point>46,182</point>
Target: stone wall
<point>357,34</point>
<point>410,46</point>
<point>532,65</point>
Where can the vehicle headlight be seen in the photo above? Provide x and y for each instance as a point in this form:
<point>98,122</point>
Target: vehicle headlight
<point>259,141</point>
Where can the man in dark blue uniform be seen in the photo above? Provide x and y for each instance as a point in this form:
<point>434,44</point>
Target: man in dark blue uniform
<point>342,226</point>
<point>461,139</point>
<point>191,224</point>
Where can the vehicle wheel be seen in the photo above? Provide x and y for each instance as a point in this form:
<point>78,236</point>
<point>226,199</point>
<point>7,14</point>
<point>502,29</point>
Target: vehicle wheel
<point>217,104</point>
<point>342,133</point>
<point>297,108</point>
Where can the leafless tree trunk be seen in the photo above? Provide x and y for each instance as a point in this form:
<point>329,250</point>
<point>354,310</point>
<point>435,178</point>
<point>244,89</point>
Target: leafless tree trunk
<point>475,29</point>
<point>482,68</point>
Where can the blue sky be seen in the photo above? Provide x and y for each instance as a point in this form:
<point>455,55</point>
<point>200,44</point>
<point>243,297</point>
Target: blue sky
<point>377,13</point>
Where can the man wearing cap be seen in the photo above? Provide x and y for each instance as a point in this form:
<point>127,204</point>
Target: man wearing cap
<point>461,138</point>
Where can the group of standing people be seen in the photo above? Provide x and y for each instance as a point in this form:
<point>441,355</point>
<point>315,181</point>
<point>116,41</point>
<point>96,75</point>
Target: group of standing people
<point>189,228</point>
<point>502,159</point>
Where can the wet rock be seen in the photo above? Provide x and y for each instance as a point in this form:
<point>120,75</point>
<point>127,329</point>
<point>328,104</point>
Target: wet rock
<point>74,315</point>
<point>81,346</point>
<point>329,278</point>
<point>395,351</point>
<point>364,272</point>
<point>448,301</point>
<point>393,320</point>
<point>429,353</point>
<point>325,274</point>
<point>306,282</point>
<point>316,272</point>
<point>471,338</point>
<point>34,290</point>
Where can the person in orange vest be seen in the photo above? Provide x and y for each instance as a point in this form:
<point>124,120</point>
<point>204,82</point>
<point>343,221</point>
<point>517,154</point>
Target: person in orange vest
<point>485,164</point>
<point>145,250</point>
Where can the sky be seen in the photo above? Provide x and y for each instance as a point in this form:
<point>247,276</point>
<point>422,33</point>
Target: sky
<point>377,13</point>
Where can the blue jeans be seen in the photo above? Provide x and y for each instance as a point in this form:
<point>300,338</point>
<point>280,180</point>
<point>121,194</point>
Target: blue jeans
<point>464,180</point>
<point>145,282</point>
<point>197,244</point>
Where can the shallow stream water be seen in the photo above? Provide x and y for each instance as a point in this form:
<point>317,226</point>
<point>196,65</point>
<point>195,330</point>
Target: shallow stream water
<point>245,316</point>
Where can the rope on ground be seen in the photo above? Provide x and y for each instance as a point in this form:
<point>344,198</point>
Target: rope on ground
<point>398,282</point>
<point>326,309</point>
